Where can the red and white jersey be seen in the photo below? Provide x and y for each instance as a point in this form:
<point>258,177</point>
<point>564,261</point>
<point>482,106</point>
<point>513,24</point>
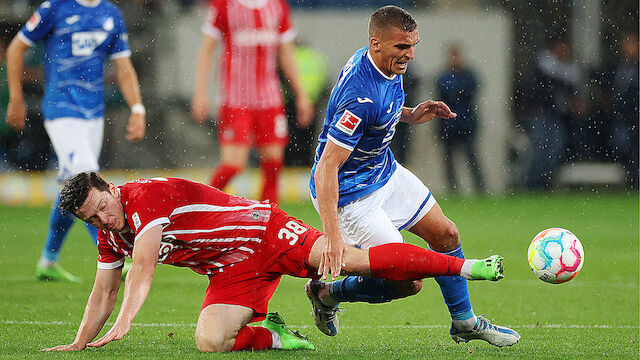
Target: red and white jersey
<point>251,32</point>
<point>203,228</point>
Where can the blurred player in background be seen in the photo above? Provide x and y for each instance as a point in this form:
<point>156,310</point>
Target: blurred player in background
<point>243,246</point>
<point>256,36</point>
<point>457,87</point>
<point>364,197</point>
<point>78,36</point>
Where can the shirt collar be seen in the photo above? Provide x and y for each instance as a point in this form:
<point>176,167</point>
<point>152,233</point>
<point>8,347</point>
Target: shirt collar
<point>89,4</point>
<point>378,69</point>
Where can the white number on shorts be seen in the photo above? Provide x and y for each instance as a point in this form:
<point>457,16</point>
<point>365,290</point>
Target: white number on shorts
<point>290,232</point>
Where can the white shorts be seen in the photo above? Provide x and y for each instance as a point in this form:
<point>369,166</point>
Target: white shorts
<point>77,143</point>
<point>377,218</point>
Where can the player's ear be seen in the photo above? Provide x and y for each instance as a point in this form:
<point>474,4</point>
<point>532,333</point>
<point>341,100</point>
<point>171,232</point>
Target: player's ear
<point>374,44</point>
<point>113,189</point>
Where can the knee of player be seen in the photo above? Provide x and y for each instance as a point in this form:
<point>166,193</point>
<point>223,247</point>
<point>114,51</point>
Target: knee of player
<point>450,237</point>
<point>213,342</point>
<point>452,233</point>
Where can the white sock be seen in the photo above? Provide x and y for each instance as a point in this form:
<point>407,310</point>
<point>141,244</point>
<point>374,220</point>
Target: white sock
<point>276,342</point>
<point>45,263</point>
<point>465,325</point>
<point>465,272</point>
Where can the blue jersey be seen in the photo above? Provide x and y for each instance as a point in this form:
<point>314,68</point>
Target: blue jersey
<point>363,110</point>
<point>78,36</point>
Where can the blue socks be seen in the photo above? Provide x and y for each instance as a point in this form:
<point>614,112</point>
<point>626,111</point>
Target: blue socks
<point>455,292</point>
<point>362,289</point>
<point>59,225</point>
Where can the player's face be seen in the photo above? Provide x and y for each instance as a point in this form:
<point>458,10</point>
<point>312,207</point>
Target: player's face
<point>393,50</point>
<point>103,209</point>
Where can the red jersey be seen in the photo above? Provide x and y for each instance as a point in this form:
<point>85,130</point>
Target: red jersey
<point>203,228</point>
<point>251,32</point>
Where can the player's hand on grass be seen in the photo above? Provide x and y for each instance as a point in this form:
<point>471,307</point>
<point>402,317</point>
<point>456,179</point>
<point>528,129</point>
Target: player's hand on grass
<point>429,110</point>
<point>136,128</point>
<point>331,259</point>
<point>16,114</point>
<point>117,332</point>
<point>69,347</point>
<point>200,108</point>
<point>304,111</point>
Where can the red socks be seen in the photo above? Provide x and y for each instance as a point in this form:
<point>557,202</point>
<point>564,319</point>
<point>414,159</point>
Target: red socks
<point>271,170</point>
<point>222,174</point>
<point>410,262</point>
<point>253,338</point>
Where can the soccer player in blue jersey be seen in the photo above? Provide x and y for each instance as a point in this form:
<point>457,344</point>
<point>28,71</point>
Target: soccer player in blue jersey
<point>79,35</point>
<point>364,197</point>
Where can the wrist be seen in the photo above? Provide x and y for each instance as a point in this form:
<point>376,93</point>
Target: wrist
<point>138,108</point>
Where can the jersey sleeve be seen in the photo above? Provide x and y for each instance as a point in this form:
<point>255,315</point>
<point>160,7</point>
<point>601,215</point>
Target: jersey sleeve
<point>120,46</point>
<point>214,24</point>
<point>285,27</point>
<point>151,205</point>
<point>108,258</point>
<point>39,25</point>
<point>350,122</point>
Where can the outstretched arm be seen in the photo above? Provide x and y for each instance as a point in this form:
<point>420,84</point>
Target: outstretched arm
<point>99,306</point>
<point>200,102</point>
<point>426,111</point>
<point>130,88</point>
<point>326,177</point>
<point>289,66</point>
<point>137,285</point>
<point>16,109</point>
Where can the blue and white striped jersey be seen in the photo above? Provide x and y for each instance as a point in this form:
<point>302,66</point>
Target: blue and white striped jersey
<point>78,36</point>
<point>363,110</point>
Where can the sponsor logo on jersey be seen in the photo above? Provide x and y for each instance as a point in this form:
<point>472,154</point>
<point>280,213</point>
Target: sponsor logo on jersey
<point>84,43</point>
<point>33,21</point>
<point>72,19</point>
<point>255,37</point>
<point>136,220</point>
<point>364,100</point>
<point>348,122</point>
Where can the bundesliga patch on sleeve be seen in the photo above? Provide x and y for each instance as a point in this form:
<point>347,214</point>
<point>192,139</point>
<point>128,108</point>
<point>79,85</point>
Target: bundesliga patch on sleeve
<point>33,21</point>
<point>348,122</point>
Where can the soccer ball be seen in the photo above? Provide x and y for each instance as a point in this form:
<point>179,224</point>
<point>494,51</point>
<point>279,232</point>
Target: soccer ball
<point>555,255</point>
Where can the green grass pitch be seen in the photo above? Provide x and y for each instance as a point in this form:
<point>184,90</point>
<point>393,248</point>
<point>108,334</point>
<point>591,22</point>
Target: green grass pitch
<point>593,316</point>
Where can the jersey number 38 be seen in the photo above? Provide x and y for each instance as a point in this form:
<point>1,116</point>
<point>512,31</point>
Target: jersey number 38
<point>291,231</point>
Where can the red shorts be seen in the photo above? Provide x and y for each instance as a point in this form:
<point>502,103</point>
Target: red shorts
<point>249,126</point>
<point>283,251</point>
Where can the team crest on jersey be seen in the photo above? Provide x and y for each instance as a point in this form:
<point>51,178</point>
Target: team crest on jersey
<point>108,24</point>
<point>136,220</point>
<point>33,21</point>
<point>348,122</point>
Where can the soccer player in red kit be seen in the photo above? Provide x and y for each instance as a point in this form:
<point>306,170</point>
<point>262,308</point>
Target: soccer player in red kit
<point>243,245</point>
<point>257,35</point>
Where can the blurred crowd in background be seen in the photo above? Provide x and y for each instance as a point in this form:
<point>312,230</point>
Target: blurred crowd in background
<point>566,110</point>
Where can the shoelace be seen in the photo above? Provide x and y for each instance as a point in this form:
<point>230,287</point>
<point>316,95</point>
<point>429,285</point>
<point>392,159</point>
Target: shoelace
<point>485,323</point>
<point>330,312</point>
<point>296,333</point>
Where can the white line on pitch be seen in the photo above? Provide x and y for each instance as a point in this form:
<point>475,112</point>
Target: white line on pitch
<point>526,326</point>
